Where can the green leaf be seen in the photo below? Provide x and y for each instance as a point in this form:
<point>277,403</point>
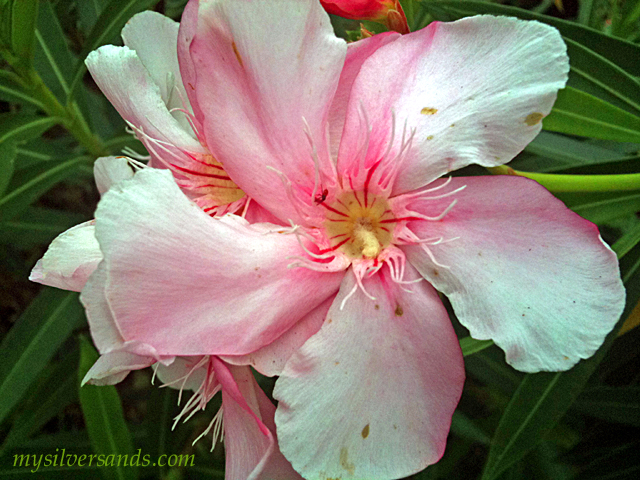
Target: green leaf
<point>23,25</point>
<point>555,153</point>
<point>54,62</point>
<point>621,52</point>
<point>88,13</point>
<point>111,21</point>
<point>470,345</point>
<point>22,127</point>
<point>33,340</point>
<point>599,76</point>
<point>159,420</point>
<point>464,427</point>
<point>600,208</point>
<point>54,393</point>
<point>613,404</point>
<point>8,155</point>
<point>104,418</point>
<point>629,240</point>
<point>579,113</point>
<point>12,91</point>
<point>18,199</point>
<point>37,226</point>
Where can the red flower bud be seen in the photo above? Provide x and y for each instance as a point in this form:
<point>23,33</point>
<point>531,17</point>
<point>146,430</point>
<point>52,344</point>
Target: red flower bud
<point>388,12</point>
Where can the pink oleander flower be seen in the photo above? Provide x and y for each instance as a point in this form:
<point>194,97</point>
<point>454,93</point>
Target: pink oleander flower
<point>346,146</point>
<point>387,12</point>
<point>246,418</point>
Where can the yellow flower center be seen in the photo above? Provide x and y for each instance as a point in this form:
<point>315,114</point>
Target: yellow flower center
<point>224,190</point>
<point>359,224</point>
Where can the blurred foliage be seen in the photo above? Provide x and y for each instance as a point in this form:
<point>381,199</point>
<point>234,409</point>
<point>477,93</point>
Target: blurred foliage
<point>581,424</point>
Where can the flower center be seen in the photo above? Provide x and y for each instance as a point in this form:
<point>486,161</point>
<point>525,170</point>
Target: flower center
<point>217,183</point>
<point>359,224</point>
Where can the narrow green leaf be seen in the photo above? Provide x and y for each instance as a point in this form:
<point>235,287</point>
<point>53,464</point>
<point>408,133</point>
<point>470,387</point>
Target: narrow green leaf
<point>37,226</point>
<point>55,392</point>
<point>603,207</point>
<point>599,76</point>
<point>613,404</point>
<point>161,409</point>
<point>8,155</point>
<point>554,153</point>
<point>490,368</point>
<point>88,13</point>
<point>22,127</point>
<point>54,62</point>
<point>43,150</point>
<point>12,91</point>
<point>629,240</point>
<point>104,418</point>
<point>470,345</point>
<point>22,196</point>
<point>23,25</point>
<point>107,28</point>
<point>33,340</point>
<point>579,113</point>
<point>464,427</point>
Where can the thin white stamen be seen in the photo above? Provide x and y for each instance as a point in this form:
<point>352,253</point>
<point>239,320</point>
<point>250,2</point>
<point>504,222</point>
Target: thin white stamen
<point>439,217</point>
<point>349,295</point>
<point>130,152</point>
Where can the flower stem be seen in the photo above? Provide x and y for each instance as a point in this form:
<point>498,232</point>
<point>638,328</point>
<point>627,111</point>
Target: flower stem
<point>576,183</point>
<point>70,116</point>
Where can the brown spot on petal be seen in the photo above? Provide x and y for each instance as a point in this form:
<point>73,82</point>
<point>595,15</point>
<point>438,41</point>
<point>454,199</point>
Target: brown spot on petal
<point>344,461</point>
<point>365,431</point>
<point>429,111</point>
<point>533,118</point>
<point>235,50</point>
<point>329,320</point>
<point>436,272</point>
<point>377,307</point>
<point>566,358</point>
<point>399,311</point>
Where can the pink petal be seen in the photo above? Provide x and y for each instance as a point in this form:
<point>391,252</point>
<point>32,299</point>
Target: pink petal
<point>270,360</point>
<point>188,28</point>
<point>121,76</point>
<point>110,170</point>
<point>357,53</point>
<point>154,38</point>
<point>104,330</point>
<point>251,449</point>
<point>260,84</point>
<point>524,271</point>
<point>181,375</point>
<point>371,395</point>
<point>257,214</point>
<point>70,259</point>
<point>113,367</point>
<point>74,255</point>
<point>474,90</point>
<point>189,284</point>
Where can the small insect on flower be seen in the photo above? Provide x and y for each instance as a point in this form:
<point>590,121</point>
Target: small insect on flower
<point>321,197</point>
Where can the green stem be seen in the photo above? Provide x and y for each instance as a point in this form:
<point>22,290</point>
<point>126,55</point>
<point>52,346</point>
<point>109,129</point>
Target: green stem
<point>576,183</point>
<point>70,115</point>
